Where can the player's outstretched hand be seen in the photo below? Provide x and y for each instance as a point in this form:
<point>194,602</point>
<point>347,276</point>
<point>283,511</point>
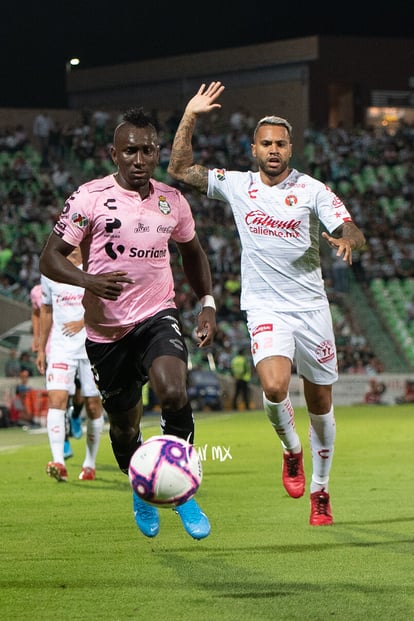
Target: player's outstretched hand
<point>205,98</point>
<point>343,247</point>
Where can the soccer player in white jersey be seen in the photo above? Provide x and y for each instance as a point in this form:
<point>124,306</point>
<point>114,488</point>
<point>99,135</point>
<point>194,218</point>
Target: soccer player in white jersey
<point>36,304</point>
<point>125,223</point>
<point>62,319</point>
<point>277,211</point>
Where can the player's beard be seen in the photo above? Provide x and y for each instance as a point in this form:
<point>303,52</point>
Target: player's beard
<point>271,172</point>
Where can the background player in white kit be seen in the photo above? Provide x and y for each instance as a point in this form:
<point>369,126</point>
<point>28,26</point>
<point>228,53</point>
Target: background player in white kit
<point>277,211</point>
<point>36,304</point>
<point>62,309</point>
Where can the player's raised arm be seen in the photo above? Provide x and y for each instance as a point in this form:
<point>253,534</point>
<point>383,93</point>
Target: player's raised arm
<point>182,166</point>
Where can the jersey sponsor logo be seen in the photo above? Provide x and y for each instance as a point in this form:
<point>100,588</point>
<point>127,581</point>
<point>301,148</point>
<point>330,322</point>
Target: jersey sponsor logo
<point>261,223</point>
<point>79,220</point>
<point>60,365</point>
<point>165,229</point>
<point>291,200</point>
<point>220,174</point>
<point>148,253</point>
<point>142,228</point>
<point>114,252</point>
<point>112,224</point>
<point>325,352</point>
<point>292,184</point>
<point>164,205</point>
<point>260,218</point>
<point>71,299</point>
<point>264,327</point>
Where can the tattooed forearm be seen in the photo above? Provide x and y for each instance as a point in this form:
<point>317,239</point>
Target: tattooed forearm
<point>349,230</point>
<point>181,165</point>
<point>197,177</point>
<point>184,133</point>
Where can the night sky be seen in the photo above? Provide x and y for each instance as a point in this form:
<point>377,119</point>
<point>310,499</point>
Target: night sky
<point>39,38</point>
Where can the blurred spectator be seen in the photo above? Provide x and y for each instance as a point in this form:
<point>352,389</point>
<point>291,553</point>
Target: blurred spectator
<point>12,367</point>
<point>20,414</point>
<point>242,373</point>
<point>42,126</point>
<point>27,364</point>
<point>408,396</point>
<point>375,391</point>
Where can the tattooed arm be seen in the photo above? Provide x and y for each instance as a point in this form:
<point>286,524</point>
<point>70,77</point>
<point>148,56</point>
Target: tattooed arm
<point>348,237</point>
<point>182,166</point>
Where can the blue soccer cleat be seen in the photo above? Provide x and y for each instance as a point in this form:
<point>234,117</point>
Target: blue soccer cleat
<point>76,427</point>
<point>67,450</point>
<point>146,517</point>
<point>194,520</point>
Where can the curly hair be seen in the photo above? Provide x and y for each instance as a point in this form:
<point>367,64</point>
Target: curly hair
<point>136,116</point>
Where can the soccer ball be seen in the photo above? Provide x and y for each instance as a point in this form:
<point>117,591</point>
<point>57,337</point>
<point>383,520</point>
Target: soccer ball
<point>165,471</point>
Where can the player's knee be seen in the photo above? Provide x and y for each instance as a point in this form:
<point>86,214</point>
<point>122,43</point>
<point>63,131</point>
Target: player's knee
<point>93,407</point>
<point>275,390</point>
<point>171,397</point>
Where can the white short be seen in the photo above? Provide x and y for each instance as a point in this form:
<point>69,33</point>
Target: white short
<point>61,376</point>
<point>306,337</point>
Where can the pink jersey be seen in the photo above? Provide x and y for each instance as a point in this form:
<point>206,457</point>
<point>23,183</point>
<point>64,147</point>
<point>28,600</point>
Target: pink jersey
<point>118,231</point>
<point>36,297</point>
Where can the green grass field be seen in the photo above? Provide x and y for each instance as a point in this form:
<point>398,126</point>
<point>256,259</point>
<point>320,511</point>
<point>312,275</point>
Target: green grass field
<point>72,551</point>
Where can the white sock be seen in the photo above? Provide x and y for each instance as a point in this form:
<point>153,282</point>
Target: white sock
<point>93,437</point>
<point>282,418</point>
<point>56,431</point>
<point>322,433</point>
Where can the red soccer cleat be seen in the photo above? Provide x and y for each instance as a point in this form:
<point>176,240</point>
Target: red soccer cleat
<point>56,471</point>
<point>293,475</point>
<point>321,514</point>
<point>87,474</point>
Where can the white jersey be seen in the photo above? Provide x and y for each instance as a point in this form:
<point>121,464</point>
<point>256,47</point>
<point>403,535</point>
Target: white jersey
<point>66,302</point>
<point>279,233</point>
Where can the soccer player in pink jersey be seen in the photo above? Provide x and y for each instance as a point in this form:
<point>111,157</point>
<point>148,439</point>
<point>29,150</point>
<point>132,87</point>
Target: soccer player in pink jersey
<point>277,211</point>
<point>125,223</point>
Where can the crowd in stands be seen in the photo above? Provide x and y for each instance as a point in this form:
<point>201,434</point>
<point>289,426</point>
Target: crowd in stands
<point>373,171</point>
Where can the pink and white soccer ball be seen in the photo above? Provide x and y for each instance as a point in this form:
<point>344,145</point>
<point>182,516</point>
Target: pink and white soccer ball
<point>165,471</point>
